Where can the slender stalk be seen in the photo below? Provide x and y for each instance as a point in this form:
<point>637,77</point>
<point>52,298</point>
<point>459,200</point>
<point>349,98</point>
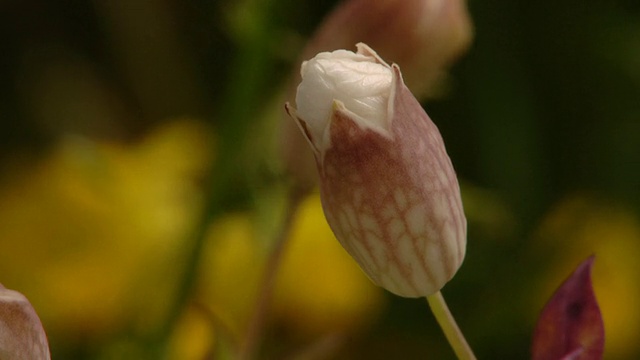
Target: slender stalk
<point>450,327</point>
<point>253,335</point>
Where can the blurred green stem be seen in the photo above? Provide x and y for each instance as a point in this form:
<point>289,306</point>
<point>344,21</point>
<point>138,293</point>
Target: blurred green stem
<point>450,327</point>
<point>248,77</point>
<point>251,341</point>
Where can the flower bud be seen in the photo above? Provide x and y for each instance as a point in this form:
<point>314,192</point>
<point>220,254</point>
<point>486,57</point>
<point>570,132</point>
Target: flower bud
<point>21,333</point>
<point>388,189</point>
<point>424,36</point>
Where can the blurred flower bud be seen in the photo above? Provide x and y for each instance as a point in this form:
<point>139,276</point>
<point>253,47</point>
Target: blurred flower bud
<point>423,36</point>
<point>21,334</point>
<point>388,189</point>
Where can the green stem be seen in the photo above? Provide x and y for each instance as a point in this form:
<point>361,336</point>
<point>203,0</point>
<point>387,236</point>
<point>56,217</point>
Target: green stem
<point>450,327</point>
<point>249,76</point>
<point>251,340</point>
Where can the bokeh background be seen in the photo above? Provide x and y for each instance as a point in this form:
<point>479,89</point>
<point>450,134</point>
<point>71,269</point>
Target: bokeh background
<point>140,193</point>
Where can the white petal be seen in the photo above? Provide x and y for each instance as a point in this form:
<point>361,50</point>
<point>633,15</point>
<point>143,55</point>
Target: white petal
<point>358,81</point>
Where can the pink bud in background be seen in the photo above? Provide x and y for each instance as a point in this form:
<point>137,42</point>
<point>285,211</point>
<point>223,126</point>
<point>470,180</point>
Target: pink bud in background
<point>388,189</point>
<point>423,36</point>
<point>21,334</point>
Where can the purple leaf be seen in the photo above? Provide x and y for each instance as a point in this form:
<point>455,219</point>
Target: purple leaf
<point>570,326</point>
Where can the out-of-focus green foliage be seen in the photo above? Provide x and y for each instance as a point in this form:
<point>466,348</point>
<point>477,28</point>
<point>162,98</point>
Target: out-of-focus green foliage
<point>139,193</point>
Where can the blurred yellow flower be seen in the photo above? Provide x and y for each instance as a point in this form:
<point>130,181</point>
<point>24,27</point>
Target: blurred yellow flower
<point>193,337</point>
<point>580,226</point>
<point>230,272</point>
<point>319,288</point>
<point>92,232</point>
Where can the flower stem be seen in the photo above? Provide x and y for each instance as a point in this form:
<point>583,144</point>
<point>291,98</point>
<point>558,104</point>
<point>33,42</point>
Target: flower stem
<point>251,340</point>
<point>450,327</point>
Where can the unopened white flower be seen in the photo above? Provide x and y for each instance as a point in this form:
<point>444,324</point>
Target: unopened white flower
<point>423,36</point>
<point>388,189</point>
<point>360,86</point>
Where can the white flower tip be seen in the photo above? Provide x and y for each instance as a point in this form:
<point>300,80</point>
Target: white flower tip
<point>361,81</point>
<point>364,49</point>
